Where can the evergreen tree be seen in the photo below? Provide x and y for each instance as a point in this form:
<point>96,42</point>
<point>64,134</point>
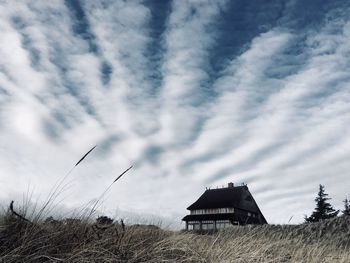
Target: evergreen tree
<point>346,210</point>
<point>323,210</point>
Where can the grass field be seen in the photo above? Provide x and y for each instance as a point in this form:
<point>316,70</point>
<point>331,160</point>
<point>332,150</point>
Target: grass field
<point>80,241</point>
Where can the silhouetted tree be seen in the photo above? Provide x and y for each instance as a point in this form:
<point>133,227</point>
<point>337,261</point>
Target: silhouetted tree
<point>346,210</point>
<point>323,210</point>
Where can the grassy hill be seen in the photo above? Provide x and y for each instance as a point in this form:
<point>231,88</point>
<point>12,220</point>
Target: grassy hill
<point>80,241</point>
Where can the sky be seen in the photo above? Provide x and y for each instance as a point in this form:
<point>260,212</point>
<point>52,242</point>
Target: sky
<point>194,94</point>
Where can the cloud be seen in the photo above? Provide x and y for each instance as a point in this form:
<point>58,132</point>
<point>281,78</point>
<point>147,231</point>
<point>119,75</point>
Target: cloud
<point>194,93</point>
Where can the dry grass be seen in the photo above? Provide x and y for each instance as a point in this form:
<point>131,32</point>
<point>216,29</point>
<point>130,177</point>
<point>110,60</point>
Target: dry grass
<point>79,241</point>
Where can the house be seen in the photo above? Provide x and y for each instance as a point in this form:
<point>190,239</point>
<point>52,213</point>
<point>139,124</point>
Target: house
<point>224,207</point>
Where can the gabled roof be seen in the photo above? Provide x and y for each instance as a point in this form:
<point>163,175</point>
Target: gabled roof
<point>237,197</point>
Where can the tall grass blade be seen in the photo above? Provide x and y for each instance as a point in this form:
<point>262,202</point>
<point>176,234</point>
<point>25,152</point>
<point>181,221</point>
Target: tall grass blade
<point>106,191</point>
<point>57,188</point>
<point>122,174</point>
<point>82,158</point>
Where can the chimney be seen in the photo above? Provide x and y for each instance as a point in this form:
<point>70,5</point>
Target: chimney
<point>230,185</point>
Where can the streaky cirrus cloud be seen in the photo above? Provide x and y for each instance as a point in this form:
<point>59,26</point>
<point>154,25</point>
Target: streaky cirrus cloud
<point>193,93</point>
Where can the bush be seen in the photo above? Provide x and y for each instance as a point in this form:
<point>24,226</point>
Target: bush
<point>104,220</point>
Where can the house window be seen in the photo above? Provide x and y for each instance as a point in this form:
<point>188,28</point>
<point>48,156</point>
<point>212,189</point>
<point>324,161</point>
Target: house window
<point>212,211</point>
<point>223,224</point>
<point>207,225</point>
<point>193,225</point>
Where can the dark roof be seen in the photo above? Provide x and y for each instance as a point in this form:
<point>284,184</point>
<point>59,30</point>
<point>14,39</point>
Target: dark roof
<point>219,198</point>
<point>237,197</point>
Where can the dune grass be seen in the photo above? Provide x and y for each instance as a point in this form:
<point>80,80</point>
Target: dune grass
<point>78,240</point>
<point>27,237</point>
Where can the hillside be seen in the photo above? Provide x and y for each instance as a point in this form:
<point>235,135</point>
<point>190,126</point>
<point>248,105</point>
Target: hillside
<point>79,241</point>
